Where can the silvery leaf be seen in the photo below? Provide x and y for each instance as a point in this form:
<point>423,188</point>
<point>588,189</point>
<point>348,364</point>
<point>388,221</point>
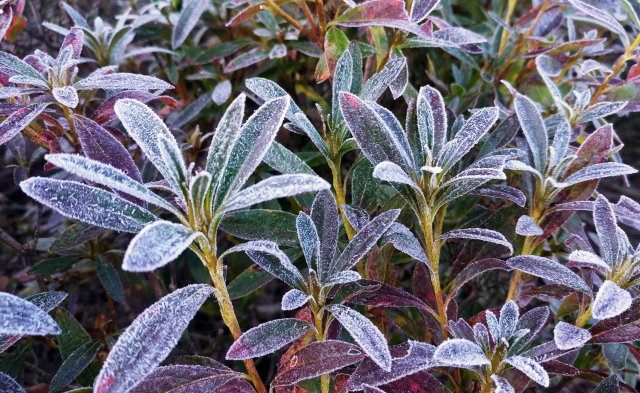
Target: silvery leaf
<point>534,130</point>
<point>599,171</point>
<point>459,352</point>
<point>607,229</point>
<point>267,338</point>
<point>22,317</point>
<point>567,336</point>
<point>486,235</point>
<point>552,271</point>
<point>530,368</point>
<point>527,227</point>
<point>294,299</point>
<point>588,259</point>
<point>611,301</point>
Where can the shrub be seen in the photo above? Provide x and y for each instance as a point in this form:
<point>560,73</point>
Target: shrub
<point>439,238</point>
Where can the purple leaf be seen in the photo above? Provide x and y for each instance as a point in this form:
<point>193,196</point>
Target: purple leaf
<point>318,358</point>
<point>122,81</point>
<point>473,270</point>
<point>185,378</point>
<point>604,18</point>
<point>384,295</point>
<point>502,385</point>
<point>588,259</point>
<point>19,120</point>
<point>552,271</point>
<point>504,192</point>
<point>611,301</point>
<point>105,114</point>
<point>404,240</point>
<point>530,368</point>
<point>7,384</point>
<point>527,227</point>
<point>267,338</point>
<point>486,235</point>
<point>149,339</point>
<point>5,22</point>
<point>421,8</point>
<point>75,39</point>
<point>459,352</point>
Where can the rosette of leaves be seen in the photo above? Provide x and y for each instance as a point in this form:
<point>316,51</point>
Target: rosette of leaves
<point>552,175</point>
<point>199,199</point>
<point>46,80</point>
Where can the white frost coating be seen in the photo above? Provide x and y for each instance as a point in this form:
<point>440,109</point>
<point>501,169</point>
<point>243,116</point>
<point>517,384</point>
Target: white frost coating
<point>509,315</point>
<point>376,85</point>
<point>225,137</point>
<point>481,335</point>
<point>47,301</point>
<point>515,165</point>
<point>106,175</point>
<point>149,339</point>
<point>551,270</point>
<point>294,299</point>
<point>459,352</point>
<point>357,217</point>
<point>527,227</point>
<point>611,301</point>
<point>366,334</point>
<point>24,318</point>
<point>494,326</point>
<point>342,278</point>
<point>308,237</point>
<point>8,385</point>
<point>502,385</point>
<point>431,169</point>
<point>604,18</point>
<point>272,188</point>
<point>486,235</point>
<point>478,173</point>
<point>602,109</point>
<point>221,92</point>
<point>392,173</point>
<point>530,368</point>
<point>278,50</point>
<point>404,240</point>
<point>122,81</point>
<point>504,192</point>
<point>156,245</point>
<point>88,204</point>
<point>18,120</point>
<point>567,336</point>
<point>67,96</point>
<point>145,127</point>
<point>599,171</point>
<point>607,229</point>
<point>371,389</point>
<point>533,129</point>
<point>267,338</point>
<point>588,259</point>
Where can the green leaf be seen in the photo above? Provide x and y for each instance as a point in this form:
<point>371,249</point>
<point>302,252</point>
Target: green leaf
<point>73,334</point>
<point>221,50</point>
<point>13,363</point>
<point>10,61</point>
<point>274,225</point>
<point>248,282</point>
<point>74,365</point>
<point>187,21</point>
<point>191,111</point>
<point>284,161</point>
<point>109,278</point>
<point>53,265</point>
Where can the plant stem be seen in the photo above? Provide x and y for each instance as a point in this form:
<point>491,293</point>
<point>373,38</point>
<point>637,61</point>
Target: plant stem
<point>433,255</point>
<point>516,276</point>
<point>293,22</point>
<point>72,127</point>
<point>616,68</point>
<point>229,316</point>
<point>325,379</point>
<point>321,18</point>
<point>505,33</point>
<point>583,318</point>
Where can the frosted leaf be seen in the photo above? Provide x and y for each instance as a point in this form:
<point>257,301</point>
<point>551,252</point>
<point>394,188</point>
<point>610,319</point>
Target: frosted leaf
<point>21,317</point>
<point>254,141</point>
<point>156,245</point>
<point>608,385</point>
<point>534,130</point>
<point>530,368</point>
<point>221,92</point>
<point>246,59</point>
<point>144,126</point>
<point>9,92</point>
<point>567,336</point>
<point>588,259</point>
<point>364,240</point>
<point>477,173</point>
<point>459,352</point>
<point>509,315</point>
<point>591,65</point>
<point>404,240</point>
<point>342,278</point>
<point>294,299</point>
<point>185,378</point>
<point>267,338</point>
<point>607,229</point>
<point>551,270</point>
<point>105,114</point>
<point>420,9</point>
<point>611,301</point>
<point>502,385</point>
<point>553,183</point>
<point>560,143</point>
<point>67,96</point>
<point>504,192</point>
<point>122,81</point>
<point>486,235</point>
<point>268,256</point>
<point>377,84</point>
<point>419,357</point>
<point>599,171</point>
<point>431,169</point>
<point>357,217</point>
<point>149,339</point>
<point>399,85</point>
<point>527,227</point>
<point>325,216</point>
<point>308,237</point>
<point>365,333</point>
<point>225,137</point>
<point>371,389</point>
<point>602,18</point>
<point>469,135</point>
<point>521,166</point>
<point>342,80</point>
<point>317,358</point>
<point>272,188</point>
<point>19,120</point>
<point>188,19</point>
<point>88,204</point>
<point>602,109</point>
<point>8,385</point>
<point>278,50</point>
<point>392,173</point>
<point>107,175</point>
<point>494,326</point>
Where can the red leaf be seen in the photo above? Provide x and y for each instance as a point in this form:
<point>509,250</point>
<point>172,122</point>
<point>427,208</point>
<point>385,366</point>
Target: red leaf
<point>621,329</point>
<point>421,382</point>
<point>383,295</point>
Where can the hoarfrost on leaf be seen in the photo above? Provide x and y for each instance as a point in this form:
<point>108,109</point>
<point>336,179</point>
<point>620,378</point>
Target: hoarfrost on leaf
<point>530,368</point>
<point>67,96</point>
<point>486,235</point>
<point>9,385</point>
<point>221,92</point>
<point>551,270</point>
<point>22,317</point>
<point>366,334</point>
<point>404,240</point>
<point>588,259</point>
<point>294,299</point>
<point>342,277</point>
<point>149,339</point>
<point>527,227</point>
<point>267,338</point>
<point>611,301</point>
<point>599,171</point>
<point>459,352</point>
<point>156,245</point>
<point>568,336</point>
<point>607,229</point>
<point>502,385</point>
<point>509,315</point>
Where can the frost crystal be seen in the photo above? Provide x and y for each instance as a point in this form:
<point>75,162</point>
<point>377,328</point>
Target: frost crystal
<point>568,336</point>
<point>67,96</point>
<point>8,385</point>
<point>459,352</point>
<point>365,333</point>
<point>184,379</point>
<point>611,301</point>
<point>527,227</point>
<point>267,338</point>
<point>294,299</point>
<point>221,92</point>
<point>404,240</point>
<point>149,339</point>
<point>502,385</point>
<point>530,368</point>
<point>588,259</point>
<point>509,319</point>
<point>342,278</point>
<point>494,326</point>
<point>486,235</point>
<point>605,220</point>
<point>156,245</point>
<point>21,317</point>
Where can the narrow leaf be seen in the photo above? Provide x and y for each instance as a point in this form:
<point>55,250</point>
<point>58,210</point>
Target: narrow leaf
<point>486,235</point>
<point>22,317</point>
<point>267,338</point>
<point>552,271</point>
<point>187,21</point>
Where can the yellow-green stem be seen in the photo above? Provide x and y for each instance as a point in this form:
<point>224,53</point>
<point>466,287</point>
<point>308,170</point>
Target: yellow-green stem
<point>72,127</point>
<point>616,69</point>
<point>584,317</point>
<point>434,256</point>
<point>505,32</point>
<point>516,276</point>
